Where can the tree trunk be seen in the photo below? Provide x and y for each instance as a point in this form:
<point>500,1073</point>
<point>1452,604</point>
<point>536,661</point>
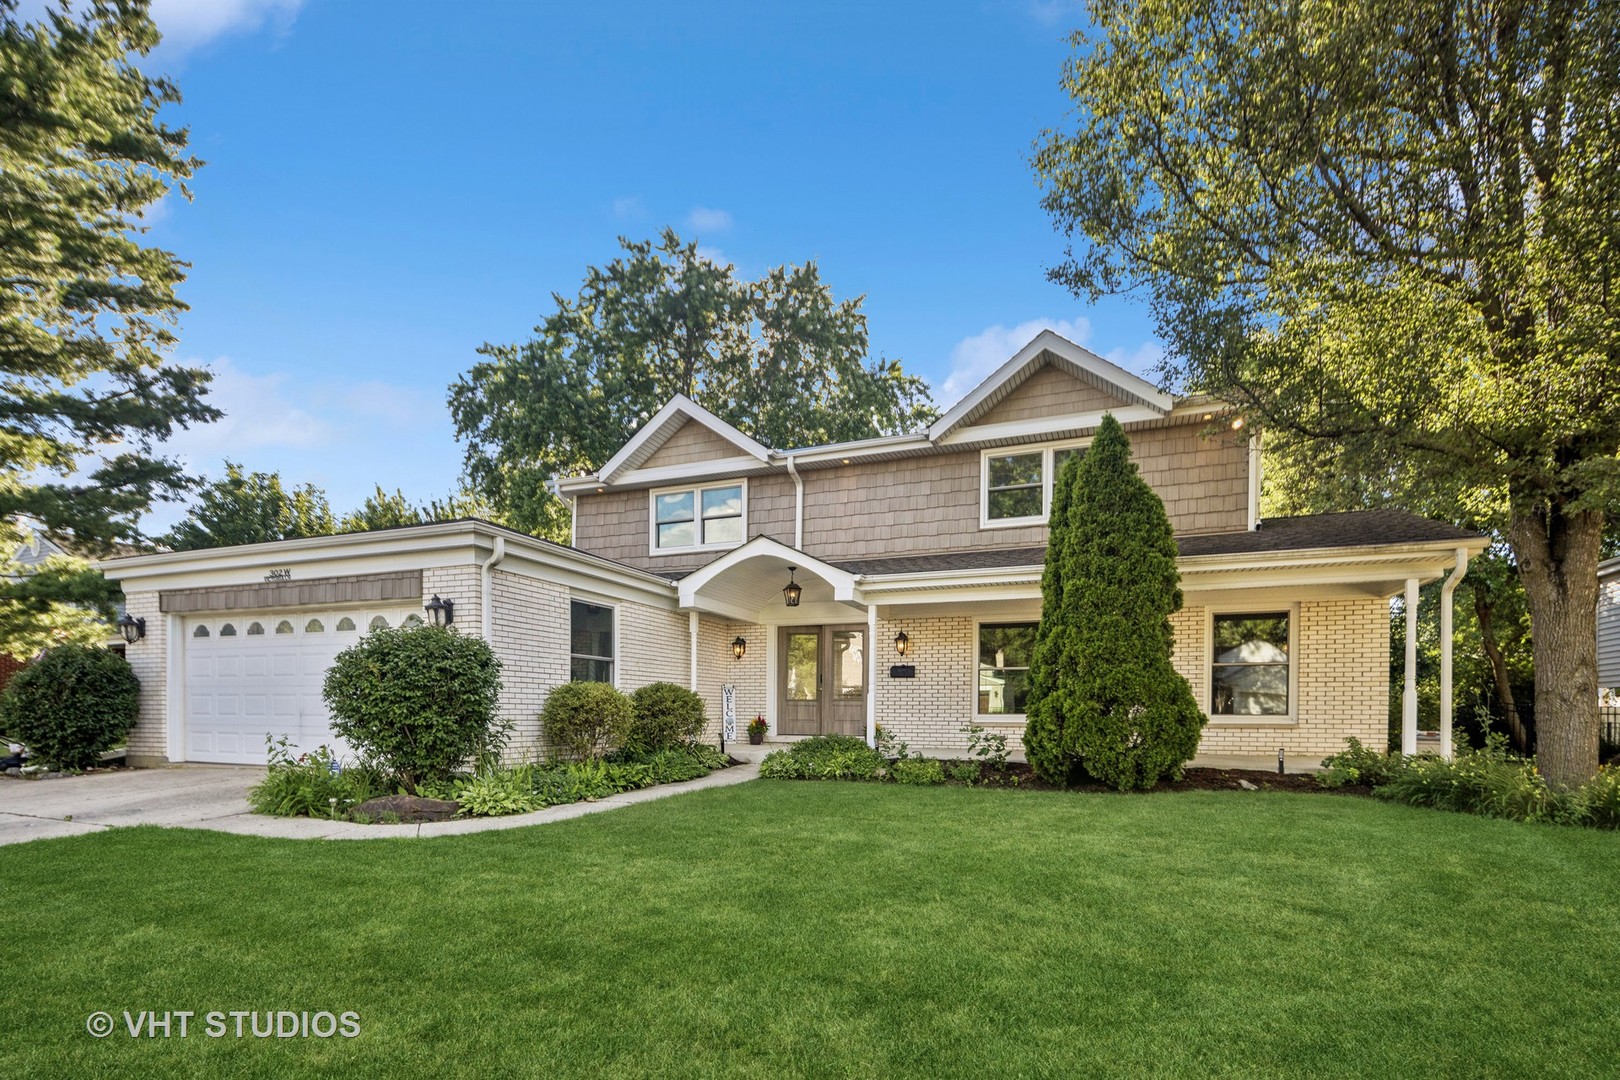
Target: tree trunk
<point>1557,552</point>
<point>1486,613</point>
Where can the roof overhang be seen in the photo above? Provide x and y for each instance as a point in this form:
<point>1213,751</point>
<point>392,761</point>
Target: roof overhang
<point>680,411</point>
<point>745,584</point>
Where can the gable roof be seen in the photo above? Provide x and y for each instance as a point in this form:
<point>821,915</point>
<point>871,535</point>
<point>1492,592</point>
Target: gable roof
<point>1049,347</point>
<point>680,411</point>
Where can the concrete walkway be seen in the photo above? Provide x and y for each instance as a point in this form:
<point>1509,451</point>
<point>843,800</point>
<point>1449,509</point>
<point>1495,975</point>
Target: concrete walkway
<point>215,797</point>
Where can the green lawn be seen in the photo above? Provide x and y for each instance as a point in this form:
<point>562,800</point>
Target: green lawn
<point>782,928</point>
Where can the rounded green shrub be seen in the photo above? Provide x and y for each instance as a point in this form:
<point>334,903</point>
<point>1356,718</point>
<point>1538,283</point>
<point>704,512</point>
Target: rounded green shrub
<point>917,771</point>
<point>420,701</point>
<point>586,720</point>
<point>665,715</point>
<point>71,705</point>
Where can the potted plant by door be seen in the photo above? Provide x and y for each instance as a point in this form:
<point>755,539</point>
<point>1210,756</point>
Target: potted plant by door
<point>756,731</point>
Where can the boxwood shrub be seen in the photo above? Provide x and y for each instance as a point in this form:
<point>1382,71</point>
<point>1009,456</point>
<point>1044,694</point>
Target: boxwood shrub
<point>71,705</point>
<point>420,701</point>
<point>587,720</point>
<point>665,715</point>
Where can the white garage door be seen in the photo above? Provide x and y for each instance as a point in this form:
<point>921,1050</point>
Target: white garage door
<point>253,674</point>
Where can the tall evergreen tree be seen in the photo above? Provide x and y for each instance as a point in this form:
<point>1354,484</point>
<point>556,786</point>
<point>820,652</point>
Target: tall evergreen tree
<point>1104,697</point>
<point>251,508</point>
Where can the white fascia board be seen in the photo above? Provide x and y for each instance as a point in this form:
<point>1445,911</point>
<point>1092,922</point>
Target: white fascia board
<point>842,581</point>
<point>693,470</point>
<point>681,405</point>
<point>418,547</point>
<point>1158,402</point>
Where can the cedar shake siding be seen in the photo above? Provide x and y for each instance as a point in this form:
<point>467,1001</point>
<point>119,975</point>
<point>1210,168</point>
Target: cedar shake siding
<point>928,503</point>
<point>1050,392</point>
<point>692,442</point>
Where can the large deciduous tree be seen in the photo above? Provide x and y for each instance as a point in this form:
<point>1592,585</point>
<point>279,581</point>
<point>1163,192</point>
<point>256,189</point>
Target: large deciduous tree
<point>86,306</point>
<point>251,508</point>
<point>1391,220</point>
<point>1104,696</point>
<point>779,357</point>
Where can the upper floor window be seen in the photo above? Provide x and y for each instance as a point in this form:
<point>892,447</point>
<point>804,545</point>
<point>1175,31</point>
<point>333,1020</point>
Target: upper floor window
<point>1016,483</point>
<point>699,517</point>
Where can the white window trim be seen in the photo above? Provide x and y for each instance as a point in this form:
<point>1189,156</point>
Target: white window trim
<point>697,491</point>
<point>594,601</point>
<point>1291,719</point>
<point>993,719</point>
<point>1045,450</point>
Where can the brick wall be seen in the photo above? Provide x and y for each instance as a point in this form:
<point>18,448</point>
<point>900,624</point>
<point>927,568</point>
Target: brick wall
<point>149,740</point>
<point>530,638</point>
<point>654,646</point>
<point>716,667</point>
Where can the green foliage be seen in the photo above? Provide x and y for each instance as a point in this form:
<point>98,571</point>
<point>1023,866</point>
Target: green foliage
<point>1359,245</point>
<point>825,757</point>
<point>890,745</point>
<point>758,726</point>
<point>917,771</point>
<point>71,705</point>
<point>494,792</point>
<point>1359,765</point>
<point>986,747</point>
<point>383,510</point>
<point>62,599</point>
<point>965,772</point>
<point>777,357</point>
<point>87,308</point>
<point>420,701</point>
<point>1103,694</point>
<point>1598,800</point>
<point>664,715</point>
<point>587,719</point>
<point>1489,782</point>
<point>307,786</point>
<point>251,508</point>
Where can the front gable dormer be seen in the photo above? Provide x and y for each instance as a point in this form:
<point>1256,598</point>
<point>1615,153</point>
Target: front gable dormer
<point>680,435</point>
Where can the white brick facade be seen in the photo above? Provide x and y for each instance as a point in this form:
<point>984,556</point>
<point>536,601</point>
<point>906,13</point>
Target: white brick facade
<point>149,657</point>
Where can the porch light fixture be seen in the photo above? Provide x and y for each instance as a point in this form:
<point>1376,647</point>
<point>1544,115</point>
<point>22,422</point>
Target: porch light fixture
<point>443,611</point>
<point>902,643</point>
<point>1237,425</point>
<point>132,628</point>
<point>739,647</point>
<point>792,590</point>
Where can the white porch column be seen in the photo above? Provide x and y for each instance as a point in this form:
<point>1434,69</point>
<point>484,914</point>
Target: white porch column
<point>871,675</point>
<point>692,632</point>
<point>1409,702</point>
<point>1446,604</point>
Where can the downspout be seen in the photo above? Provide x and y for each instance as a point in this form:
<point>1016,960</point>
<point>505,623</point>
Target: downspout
<point>486,578</point>
<point>692,633</point>
<point>1254,480</point>
<point>798,504</point>
<point>1446,590</point>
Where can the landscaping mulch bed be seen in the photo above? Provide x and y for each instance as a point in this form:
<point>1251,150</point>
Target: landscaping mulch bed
<point>1022,776</point>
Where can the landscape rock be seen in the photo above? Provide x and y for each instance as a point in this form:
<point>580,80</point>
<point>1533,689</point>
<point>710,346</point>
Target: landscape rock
<point>1246,786</point>
<point>409,808</point>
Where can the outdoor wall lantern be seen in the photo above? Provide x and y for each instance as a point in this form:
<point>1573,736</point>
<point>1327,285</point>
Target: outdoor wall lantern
<point>443,611</point>
<point>902,643</point>
<point>132,628</point>
<point>792,590</point>
<point>738,647</point>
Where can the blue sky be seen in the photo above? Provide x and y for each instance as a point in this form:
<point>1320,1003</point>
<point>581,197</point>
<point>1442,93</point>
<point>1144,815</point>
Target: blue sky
<point>390,185</point>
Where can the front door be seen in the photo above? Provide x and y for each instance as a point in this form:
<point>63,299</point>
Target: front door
<point>822,686</point>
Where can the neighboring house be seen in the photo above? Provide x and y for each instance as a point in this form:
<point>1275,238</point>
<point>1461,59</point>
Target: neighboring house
<point>1608,632</point>
<point>913,563</point>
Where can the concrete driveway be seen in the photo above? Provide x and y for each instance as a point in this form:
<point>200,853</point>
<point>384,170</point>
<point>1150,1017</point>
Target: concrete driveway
<point>200,796</point>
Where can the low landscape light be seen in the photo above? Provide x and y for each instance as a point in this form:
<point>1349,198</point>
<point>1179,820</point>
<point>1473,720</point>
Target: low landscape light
<point>132,628</point>
<point>443,611</point>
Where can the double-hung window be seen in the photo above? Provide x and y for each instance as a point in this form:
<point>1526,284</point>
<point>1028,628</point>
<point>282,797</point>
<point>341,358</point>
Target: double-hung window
<point>1005,650</point>
<point>699,517</point>
<point>1016,483</point>
<point>1250,664</point>
<point>590,642</point>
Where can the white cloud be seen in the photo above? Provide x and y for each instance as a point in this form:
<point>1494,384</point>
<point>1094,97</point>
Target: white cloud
<point>703,219</point>
<point>1053,12</point>
<point>259,414</point>
<point>713,254</point>
<point>976,357</point>
<point>187,24</point>
<point>1142,359</point>
<point>629,207</point>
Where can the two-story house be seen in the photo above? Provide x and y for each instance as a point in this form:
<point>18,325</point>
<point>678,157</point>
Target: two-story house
<point>890,581</point>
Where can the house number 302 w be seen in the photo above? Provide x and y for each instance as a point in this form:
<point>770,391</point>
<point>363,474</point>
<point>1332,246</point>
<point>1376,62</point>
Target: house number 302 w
<point>279,575</point>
